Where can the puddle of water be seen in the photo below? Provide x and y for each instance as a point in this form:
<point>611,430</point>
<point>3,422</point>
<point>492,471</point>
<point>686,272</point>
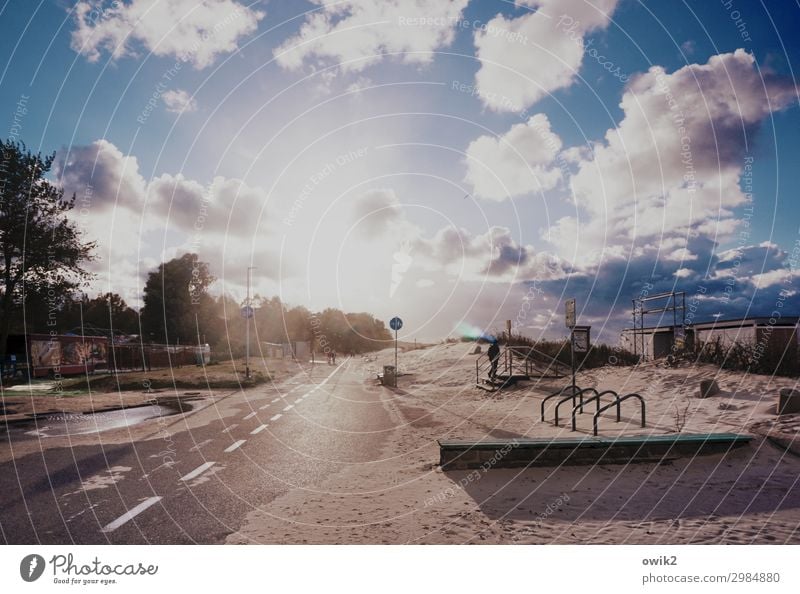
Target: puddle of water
<point>84,424</point>
<point>43,386</point>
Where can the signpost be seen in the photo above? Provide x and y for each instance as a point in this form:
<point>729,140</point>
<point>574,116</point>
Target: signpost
<point>395,324</point>
<point>569,320</point>
<point>569,313</point>
<point>247,314</point>
<point>578,336</point>
<point>581,338</point>
<point>509,360</point>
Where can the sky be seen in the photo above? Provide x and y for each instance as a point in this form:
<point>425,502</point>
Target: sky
<point>457,163</point>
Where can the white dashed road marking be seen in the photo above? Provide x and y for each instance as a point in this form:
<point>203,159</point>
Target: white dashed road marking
<point>235,445</point>
<point>276,417</point>
<point>199,445</point>
<point>198,471</point>
<point>130,514</point>
<point>250,416</point>
<point>230,427</point>
<point>264,407</point>
<point>258,430</point>
<point>274,401</point>
<point>290,407</point>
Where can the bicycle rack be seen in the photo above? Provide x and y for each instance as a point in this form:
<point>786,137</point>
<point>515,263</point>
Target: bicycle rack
<point>573,389</point>
<point>579,394</point>
<point>617,403</point>
<point>595,398</point>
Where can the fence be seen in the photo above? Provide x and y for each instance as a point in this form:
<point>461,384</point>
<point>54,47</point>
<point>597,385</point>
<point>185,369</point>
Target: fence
<point>132,357</point>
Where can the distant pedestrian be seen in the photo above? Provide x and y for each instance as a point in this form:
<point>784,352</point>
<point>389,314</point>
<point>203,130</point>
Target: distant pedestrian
<point>494,358</point>
<point>333,357</point>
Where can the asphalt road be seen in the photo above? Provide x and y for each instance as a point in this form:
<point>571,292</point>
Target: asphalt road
<point>192,477</point>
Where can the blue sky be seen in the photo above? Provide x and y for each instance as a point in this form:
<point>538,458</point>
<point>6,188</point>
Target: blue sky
<point>458,163</point>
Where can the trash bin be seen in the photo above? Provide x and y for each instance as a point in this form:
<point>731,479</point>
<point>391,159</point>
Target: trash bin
<point>389,376</point>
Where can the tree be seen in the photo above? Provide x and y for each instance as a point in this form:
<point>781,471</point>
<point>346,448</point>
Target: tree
<point>42,251</point>
<point>109,311</point>
<point>366,333</point>
<point>348,333</point>
<point>176,301</point>
<point>269,317</point>
<point>297,324</point>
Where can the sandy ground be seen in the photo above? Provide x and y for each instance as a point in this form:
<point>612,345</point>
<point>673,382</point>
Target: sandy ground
<point>750,495</point>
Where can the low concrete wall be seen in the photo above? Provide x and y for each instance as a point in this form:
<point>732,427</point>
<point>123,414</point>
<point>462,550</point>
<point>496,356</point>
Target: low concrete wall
<point>464,454</point>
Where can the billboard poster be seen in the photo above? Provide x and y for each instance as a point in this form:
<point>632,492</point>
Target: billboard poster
<point>46,353</point>
<point>99,353</point>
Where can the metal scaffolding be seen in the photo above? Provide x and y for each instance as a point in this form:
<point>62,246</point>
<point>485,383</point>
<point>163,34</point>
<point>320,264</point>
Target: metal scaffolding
<point>672,301</point>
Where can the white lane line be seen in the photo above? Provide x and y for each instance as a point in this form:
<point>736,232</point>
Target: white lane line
<point>258,430</point>
<point>264,407</point>
<point>198,471</point>
<point>250,416</point>
<point>274,401</point>
<point>199,445</point>
<point>290,407</point>
<point>235,445</point>
<point>230,427</point>
<point>299,400</point>
<point>130,514</point>
<point>276,417</point>
<point>325,381</point>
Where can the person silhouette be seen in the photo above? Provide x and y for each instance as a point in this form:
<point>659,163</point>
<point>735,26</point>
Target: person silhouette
<point>494,358</point>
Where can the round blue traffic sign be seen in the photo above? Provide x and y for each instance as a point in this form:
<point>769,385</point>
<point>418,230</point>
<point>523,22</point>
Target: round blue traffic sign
<point>395,323</point>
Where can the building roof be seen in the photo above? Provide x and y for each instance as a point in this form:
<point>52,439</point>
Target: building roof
<point>782,322</point>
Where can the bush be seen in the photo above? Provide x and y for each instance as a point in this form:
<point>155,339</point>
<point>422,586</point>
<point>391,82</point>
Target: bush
<point>598,355</point>
<point>769,359</point>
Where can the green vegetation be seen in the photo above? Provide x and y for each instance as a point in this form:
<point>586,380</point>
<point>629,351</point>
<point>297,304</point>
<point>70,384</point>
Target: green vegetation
<point>767,358</point>
<point>42,252</point>
<point>598,355</point>
<point>222,376</point>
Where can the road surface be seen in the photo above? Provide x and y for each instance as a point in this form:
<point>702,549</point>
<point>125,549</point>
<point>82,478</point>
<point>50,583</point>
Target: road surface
<point>192,477</point>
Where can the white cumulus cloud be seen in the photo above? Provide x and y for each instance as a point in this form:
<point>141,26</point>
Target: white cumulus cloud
<point>178,101</point>
<point>672,167</point>
<point>357,33</point>
<point>518,162</point>
<point>195,31</point>
<point>525,58</point>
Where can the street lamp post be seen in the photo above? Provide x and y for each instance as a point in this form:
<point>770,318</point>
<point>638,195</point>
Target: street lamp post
<point>249,310</point>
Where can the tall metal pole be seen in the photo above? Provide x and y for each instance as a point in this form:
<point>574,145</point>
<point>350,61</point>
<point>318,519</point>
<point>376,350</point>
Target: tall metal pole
<point>572,358</point>
<point>395,352</point>
<point>247,331</point>
<point>635,348</point>
<point>509,362</point>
